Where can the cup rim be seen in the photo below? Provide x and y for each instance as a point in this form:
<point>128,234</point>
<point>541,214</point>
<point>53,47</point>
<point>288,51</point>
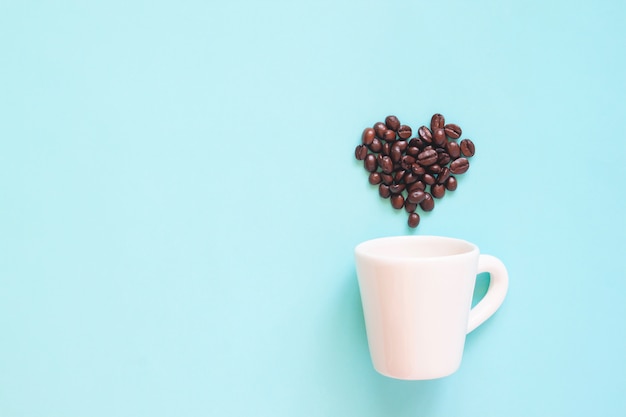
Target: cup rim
<point>364,249</point>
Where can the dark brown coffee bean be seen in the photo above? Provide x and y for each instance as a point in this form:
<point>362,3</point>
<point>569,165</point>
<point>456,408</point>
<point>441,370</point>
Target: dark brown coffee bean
<point>380,129</point>
<point>419,185</point>
<point>405,132</point>
<point>386,164</point>
<point>467,147</point>
<point>453,131</point>
<point>397,188</point>
<point>375,178</point>
<point>410,178</point>
<point>412,150</point>
<point>451,184</point>
<point>376,145</point>
<point>428,179</point>
<point>416,143</point>
<point>392,123</point>
<point>387,178</point>
<point>386,149</point>
<point>389,135</point>
<point>443,175</point>
<point>434,169</point>
<point>403,144</point>
<point>396,153</point>
<point>439,137</point>
<point>453,149</point>
<point>398,176</point>
<point>418,169</point>
<point>406,162</point>
<point>370,163</point>
<point>437,122</point>
<point>368,136</point>
<point>416,196</point>
<point>397,201</point>
<point>409,207</point>
<point>383,191</point>
<point>427,157</point>
<point>425,135</point>
<point>459,166</point>
<point>438,190</point>
<point>414,220</point>
<point>360,152</point>
<point>428,203</point>
<point>443,158</point>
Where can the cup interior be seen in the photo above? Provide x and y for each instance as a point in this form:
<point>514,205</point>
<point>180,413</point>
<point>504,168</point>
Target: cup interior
<point>414,247</point>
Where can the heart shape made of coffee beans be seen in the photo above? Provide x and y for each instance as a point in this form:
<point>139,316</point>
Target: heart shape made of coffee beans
<point>413,171</point>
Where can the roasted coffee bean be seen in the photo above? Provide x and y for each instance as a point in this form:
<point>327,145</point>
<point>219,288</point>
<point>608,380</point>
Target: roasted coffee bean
<point>407,161</point>
<point>396,153</point>
<point>416,196</point>
<point>376,145</point>
<point>434,169</point>
<point>409,207</point>
<point>437,122</point>
<point>397,201</point>
<point>453,131</point>
<point>427,157</point>
<point>386,149</point>
<point>383,191</point>
<point>389,135</point>
<point>416,143</point>
<point>425,135</point>
<point>438,190</point>
<point>405,132</point>
<point>375,178</point>
<point>414,220</point>
<point>453,149</point>
<point>380,129</point>
<point>439,137</point>
<point>419,185</point>
<point>396,188</point>
<point>410,178</point>
<point>403,144</point>
<point>467,147</point>
<point>387,178</point>
<point>428,179</point>
<point>451,184</point>
<point>368,136</point>
<point>398,176</point>
<point>392,123</point>
<point>418,169</point>
<point>443,175</point>
<point>370,163</point>
<point>428,203</point>
<point>429,148</point>
<point>360,152</point>
<point>386,164</point>
<point>412,150</point>
<point>459,166</point>
<point>444,158</point>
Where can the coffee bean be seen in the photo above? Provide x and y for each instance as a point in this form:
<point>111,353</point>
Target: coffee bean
<point>380,129</point>
<point>410,178</point>
<point>370,163</point>
<point>392,123</point>
<point>368,136</point>
<point>407,161</point>
<point>396,153</point>
<point>438,190</point>
<point>409,207</point>
<point>403,144</point>
<point>434,169</point>
<point>428,179</point>
<point>387,178</point>
<point>376,145</point>
<point>453,149</point>
<point>414,220</point>
<point>386,149</point>
<point>397,188</point>
<point>412,150</point>
<point>405,132</point>
<point>397,201</point>
<point>386,164</point>
<point>459,166</point>
<point>375,178</point>
<point>428,203</point>
<point>398,176</point>
<point>360,152</point>
<point>467,147</point>
<point>416,143</point>
<point>451,184</point>
<point>425,134</point>
<point>443,175</point>
<point>389,135</point>
<point>418,169</point>
<point>416,196</point>
<point>383,191</point>
<point>419,185</point>
<point>443,159</point>
<point>453,131</point>
<point>427,157</point>
<point>439,137</point>
<point>437,122</point>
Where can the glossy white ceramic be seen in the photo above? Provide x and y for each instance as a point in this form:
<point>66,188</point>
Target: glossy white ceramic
<point>417,293</point>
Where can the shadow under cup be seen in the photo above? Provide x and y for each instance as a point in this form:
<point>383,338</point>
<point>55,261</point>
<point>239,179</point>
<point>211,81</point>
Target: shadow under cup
<point>417,293</point>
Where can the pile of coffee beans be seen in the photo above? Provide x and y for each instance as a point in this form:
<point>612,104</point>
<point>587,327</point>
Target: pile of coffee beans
<point>412,171</point>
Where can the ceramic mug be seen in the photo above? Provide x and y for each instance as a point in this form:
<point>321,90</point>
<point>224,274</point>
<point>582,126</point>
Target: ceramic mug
<point>417,295</point>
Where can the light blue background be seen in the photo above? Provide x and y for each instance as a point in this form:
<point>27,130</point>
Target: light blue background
<point>179,203</point>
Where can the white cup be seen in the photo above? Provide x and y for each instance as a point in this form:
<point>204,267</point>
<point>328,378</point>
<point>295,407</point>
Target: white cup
<point>417,295</point>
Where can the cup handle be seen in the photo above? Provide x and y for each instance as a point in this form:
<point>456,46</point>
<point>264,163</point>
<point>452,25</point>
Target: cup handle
<point>498,286</point>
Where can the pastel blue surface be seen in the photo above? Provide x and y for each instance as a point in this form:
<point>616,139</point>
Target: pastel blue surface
<point>179,203</point>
